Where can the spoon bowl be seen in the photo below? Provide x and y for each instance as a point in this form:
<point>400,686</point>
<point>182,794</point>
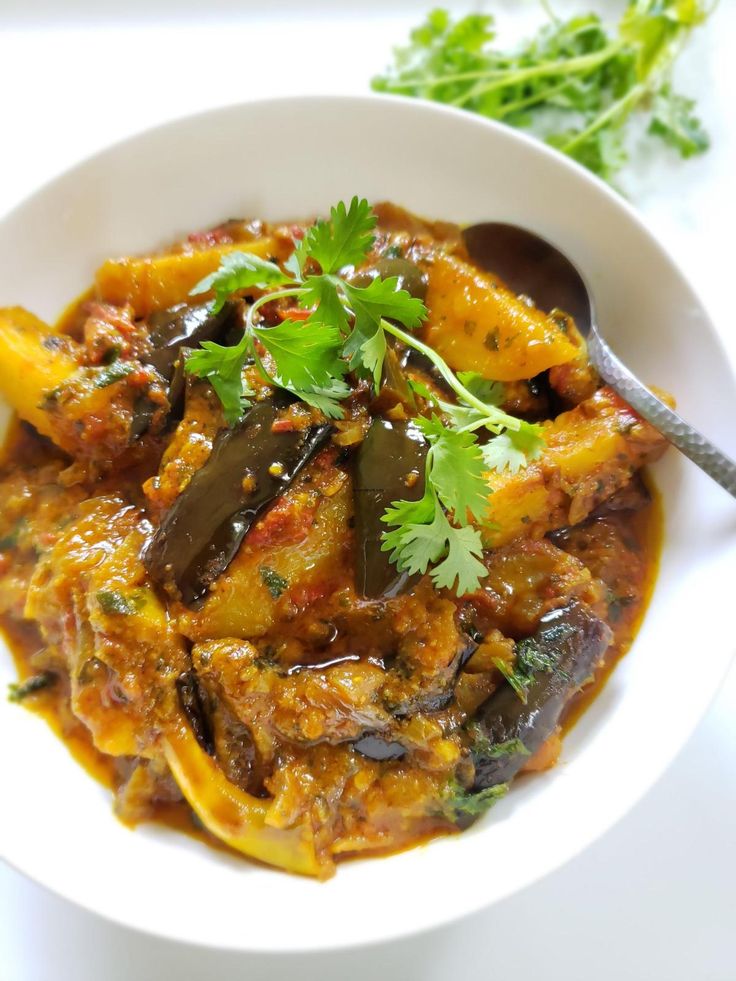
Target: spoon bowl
<point>532,266</point>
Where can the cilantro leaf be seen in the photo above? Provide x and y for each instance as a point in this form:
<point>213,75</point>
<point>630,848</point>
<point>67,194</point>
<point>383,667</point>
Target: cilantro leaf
<point>346,331</point>
<point>461,568</point>
<point>237,271</point>
<point>674,122</point>
<point>321,292</point>
<point>274,583</point>
<point>18,691</point>
<point>457,470</point>
<point>366,346</point>
<point>459,804</point>
<point>295,263</point>
<point>514,448</point>
<point>382,298</point>
<point>530,658</point>
<point>423,536</point>
<point>306,353</point>
<point>373,352</point>
<point>326,399</point>
<point>481,745</point>
<point>345,239</point>
<point>222,367</point>
<point>422,545</point>
<point>490,392</point>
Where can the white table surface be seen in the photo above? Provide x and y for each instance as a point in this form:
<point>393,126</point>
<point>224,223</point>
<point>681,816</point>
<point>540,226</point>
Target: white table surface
<point>655,899</point>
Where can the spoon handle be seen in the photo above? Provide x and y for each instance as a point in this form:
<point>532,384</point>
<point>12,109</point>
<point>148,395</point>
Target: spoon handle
<point>680,433</point>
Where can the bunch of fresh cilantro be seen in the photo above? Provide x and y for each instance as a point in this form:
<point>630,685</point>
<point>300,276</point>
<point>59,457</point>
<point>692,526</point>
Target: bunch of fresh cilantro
<point>574,84</point>
<point>346,332</point>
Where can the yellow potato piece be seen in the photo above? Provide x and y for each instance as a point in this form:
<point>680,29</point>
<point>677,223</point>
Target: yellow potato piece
<point>240,605</point>
<point>237,818</point>
<point>34,362</point>
<point>156,282</point>
<point>590,453</point>
<point>477,324</point>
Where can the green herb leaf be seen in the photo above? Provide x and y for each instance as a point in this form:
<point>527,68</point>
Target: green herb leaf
<point>459,804</point>
<point>482,746</point>
<point>573,84</point>
<point>514,448</point>
<point>327,400</point>
<point>306,353</point>
<point>490,392</point>
<point>223,368</point>
<point>345,239</point>
<point>274,583</point>
<point>346,331</point>
<point>37,682</point>
<point>423,536</point>
<point>239,271</point>
<point>457,470</point>
<point>115,373</point>
<point>530,659</point>
<point>461,569</point>
<point>321,292</point>
<point>674,122</point>
<point>372,354</point>
<point>382,298</point>
<point>112,601</point>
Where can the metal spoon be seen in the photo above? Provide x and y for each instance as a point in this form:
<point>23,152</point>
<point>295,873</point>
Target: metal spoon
<point>529,264</point>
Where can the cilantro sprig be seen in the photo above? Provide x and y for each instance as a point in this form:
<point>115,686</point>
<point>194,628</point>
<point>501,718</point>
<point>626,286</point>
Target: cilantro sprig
<point>574,84</point>
<point>347,331</point>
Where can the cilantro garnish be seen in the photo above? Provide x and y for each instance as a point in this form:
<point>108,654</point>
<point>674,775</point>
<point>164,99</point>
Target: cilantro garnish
<point>346,332</point>
<point>112,601</point>
<point>482,746</point>
<point>459,804</point>
<point>274,583</point>
<point>19,691</point>
<point>574,84</point>
<point>530,659</point>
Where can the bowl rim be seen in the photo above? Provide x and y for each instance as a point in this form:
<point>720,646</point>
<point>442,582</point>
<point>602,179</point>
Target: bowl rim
<point>554,157</point>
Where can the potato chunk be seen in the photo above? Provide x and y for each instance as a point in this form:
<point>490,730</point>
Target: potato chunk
<point>35,362</point>
<point>478,324</point>
<point>156,282</point>
<point>240,603</point>
<point>590,453</point>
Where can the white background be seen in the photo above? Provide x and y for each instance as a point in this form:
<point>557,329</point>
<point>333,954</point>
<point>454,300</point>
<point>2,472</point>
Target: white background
<point>656,897</point>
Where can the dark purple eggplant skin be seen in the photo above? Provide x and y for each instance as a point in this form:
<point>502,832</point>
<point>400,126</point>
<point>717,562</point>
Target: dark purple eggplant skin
<point>184,326</point>
<point>193,701</point>
<point>202,531</point>
<point>389,467</point>
<point>576,639</point>
<point>172,333</point>
<point>375,747</point>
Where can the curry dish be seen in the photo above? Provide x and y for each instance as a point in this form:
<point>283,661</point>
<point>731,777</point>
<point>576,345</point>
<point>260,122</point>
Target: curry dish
<point>315,536</point>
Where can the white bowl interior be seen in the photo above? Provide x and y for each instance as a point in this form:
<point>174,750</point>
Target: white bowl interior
<point>56,824</point>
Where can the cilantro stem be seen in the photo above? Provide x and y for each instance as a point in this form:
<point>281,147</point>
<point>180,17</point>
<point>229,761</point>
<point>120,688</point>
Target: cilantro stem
<point>567,67</point>
<point>620,106</point>
<point>491,414</point>
<point>266,298</point>
<point>541,96</point>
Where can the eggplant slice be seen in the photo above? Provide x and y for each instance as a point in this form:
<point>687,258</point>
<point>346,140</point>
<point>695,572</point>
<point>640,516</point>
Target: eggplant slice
<point>570,641</point>
<point>249,467</point>
<point>184,326</point>
<point>389,467</point>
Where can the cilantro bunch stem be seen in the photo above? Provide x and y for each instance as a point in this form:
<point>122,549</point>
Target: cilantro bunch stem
<point>571,66</point>
<point>575,84</point>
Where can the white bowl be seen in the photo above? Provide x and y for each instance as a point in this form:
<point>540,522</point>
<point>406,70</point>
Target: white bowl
<point>292,158</point>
